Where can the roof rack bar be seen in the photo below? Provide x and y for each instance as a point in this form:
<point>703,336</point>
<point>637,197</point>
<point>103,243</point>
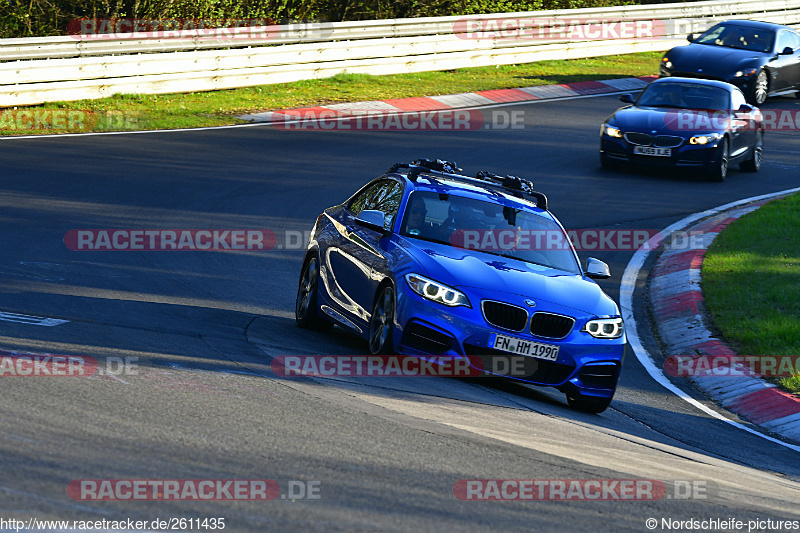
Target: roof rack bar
<point>509,184</point>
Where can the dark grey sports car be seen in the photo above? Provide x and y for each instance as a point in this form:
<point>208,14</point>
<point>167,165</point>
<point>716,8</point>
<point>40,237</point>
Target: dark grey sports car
<point>760,58</point>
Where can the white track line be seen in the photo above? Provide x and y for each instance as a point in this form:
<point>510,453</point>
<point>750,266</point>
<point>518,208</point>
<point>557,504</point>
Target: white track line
<point>626,290</point>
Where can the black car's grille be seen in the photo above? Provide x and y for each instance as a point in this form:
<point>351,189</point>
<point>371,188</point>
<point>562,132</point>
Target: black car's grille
<point>642,139</point>
<point>425,339</point>
<point>506,364</point>
<point>667,141</point>
<point>504,316</point>
<point>551,326</point>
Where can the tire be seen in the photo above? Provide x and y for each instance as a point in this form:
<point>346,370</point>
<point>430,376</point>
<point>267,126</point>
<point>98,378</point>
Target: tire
<point>381,322</point>
<point>306,310</point>
<point>720,170</point>
<point>757,95</point>
<point>588,404</point>
<point>753,164</point>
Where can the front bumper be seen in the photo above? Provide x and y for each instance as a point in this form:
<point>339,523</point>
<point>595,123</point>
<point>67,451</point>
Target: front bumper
<point>686,155</point>
<point>585,365</point>
<point>745,83</point>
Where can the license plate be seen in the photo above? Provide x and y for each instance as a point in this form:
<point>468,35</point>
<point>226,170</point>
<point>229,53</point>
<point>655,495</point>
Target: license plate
<point>652,150</point>
<point>523,347</point>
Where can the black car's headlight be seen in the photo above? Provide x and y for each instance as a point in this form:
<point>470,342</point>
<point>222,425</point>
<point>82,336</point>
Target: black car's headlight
<point>438,292</point>
<point>745,72</point>
<point>705,139</point>
<point>612,131</point>
<point>605,328</point>
<point>665,62</point>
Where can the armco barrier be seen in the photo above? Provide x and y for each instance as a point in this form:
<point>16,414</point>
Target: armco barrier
<point>73,67</point>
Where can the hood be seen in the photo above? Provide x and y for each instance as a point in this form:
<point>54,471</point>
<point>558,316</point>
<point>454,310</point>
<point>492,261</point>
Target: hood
<point>462,268</point>
<point>644,119</point>
<point>666,121</point>
<point>716,61</point>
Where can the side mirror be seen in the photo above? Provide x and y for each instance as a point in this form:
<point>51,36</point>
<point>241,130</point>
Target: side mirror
<point>626,98</point>
<point>691,37</point>
<point>372,219</point>
<point>745,108</point>
<point>787,51</point>
<point>596,269</point>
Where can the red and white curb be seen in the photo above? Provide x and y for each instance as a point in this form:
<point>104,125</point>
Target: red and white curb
<point>678,310</point>
<point>462,100</point>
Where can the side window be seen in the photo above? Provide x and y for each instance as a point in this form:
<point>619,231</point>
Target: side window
<point>363,201</point>
<point>387,199</point>
<point>737,99</point>
<point>788,38</point>
<point>383,195</point>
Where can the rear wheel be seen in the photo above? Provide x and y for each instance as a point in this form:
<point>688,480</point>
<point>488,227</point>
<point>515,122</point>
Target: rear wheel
<point>588,404</point>
<point>306,312</point>
<point>758,93</point>
<point>719,171</point>
<point>753,164</point>
<point>380,324</point>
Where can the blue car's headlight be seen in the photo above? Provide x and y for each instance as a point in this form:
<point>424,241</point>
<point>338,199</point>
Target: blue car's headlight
<point>605,328</point>
<point>438,292</point>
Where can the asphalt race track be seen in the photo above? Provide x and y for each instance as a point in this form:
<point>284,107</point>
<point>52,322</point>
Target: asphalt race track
<point>198,330</point>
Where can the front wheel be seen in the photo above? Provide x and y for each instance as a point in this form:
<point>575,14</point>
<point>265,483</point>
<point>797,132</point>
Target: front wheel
<point>380,324</point>
<point>720,169</point>
<point>758,93</point>
<point>588,404</point>
<point>306,307</point>
<point>753,164</point>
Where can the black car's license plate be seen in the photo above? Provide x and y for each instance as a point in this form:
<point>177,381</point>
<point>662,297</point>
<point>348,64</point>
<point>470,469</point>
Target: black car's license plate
<point>652,150</point>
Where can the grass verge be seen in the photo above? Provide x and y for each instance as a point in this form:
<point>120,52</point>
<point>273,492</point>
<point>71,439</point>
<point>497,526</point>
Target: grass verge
<point>219,108</point>
<point>751,283</point>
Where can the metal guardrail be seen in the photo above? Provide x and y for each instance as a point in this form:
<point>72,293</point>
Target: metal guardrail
<point>63,68</point>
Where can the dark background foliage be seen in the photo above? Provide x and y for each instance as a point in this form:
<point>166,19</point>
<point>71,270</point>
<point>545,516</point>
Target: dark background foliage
<point>25,18</point>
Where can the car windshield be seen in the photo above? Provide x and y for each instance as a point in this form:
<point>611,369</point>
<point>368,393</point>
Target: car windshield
<point>503,229</point>
<point>741,37</point>
<point>680,95</point>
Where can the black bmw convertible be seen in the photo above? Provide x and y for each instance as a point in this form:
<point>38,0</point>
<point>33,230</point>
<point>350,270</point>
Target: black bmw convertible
<point>688,124</point>
<point>760,58</point>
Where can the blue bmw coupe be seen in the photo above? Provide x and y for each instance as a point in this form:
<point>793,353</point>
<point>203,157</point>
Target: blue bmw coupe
<point>427,262</point>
